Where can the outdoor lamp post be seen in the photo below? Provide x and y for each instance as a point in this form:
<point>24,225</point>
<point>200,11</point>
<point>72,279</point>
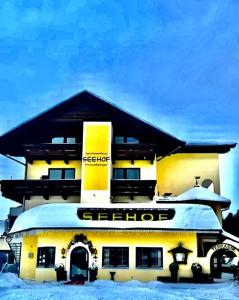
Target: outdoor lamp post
<point>94,252</point>
<point>63,252</point>
<point>180,254</point>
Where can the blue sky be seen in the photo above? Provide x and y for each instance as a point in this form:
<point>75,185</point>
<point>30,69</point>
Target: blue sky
<point>173,63</point>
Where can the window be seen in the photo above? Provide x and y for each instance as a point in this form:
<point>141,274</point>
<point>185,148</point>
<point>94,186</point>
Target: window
<point>70,140</point>
<point>115,257</point>
<point>149,257</point>
<point>61,174</point>
<point>119,140</point>
<point>58,140</point>
<point>131,140</point>
<point>205,242</point>
<point>63,140</point>
<point>124,173</point>
<point>46,257</point>
<point>125,140</point>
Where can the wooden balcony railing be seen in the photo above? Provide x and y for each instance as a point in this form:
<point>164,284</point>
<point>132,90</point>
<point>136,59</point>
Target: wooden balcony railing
<point>68,152</point>
<point>133,152</point>
<point>133,187</point>
<point>50,152</point>
<point>17,190</point>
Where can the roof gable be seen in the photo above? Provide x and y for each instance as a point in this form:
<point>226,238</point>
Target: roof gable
<point>67,119</point>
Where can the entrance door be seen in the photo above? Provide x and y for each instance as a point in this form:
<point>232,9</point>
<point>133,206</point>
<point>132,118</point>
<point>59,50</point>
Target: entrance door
<point>79,264</point>
<point>221,262</point>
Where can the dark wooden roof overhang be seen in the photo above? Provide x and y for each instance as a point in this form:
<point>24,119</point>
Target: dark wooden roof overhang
<point>212,147</point>
<point>66,119</point>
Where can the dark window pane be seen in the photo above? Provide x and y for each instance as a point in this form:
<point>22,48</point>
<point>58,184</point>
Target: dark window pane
<point>115,257</point>
<point>69,174</point>
<point>132,174</point>
<point>131,140</point>
<point>155,257</point>
<point>149,257</point>
<point>118,173</point>
<point>55,174</point>
<point>119,140</point>
<point>46,257</point>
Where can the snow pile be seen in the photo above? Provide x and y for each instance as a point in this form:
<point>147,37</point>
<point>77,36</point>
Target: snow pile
<point>12,288</point>
<point>10,280</point>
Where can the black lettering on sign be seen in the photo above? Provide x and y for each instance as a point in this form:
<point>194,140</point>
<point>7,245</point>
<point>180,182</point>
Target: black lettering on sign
<point>95,159</point>
<point>224,246</point>
<point>114,214</point>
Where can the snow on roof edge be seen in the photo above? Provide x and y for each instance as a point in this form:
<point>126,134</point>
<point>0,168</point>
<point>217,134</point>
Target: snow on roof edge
<point>187,217</point>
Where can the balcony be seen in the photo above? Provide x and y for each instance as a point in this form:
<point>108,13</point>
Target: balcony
<point>50,152</point>
<point>18,189</point>
<point>66,152</point>
<point>133,187</point>
<point>133,152</point>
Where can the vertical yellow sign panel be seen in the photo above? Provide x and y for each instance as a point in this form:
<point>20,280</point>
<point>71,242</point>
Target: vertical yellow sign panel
<point>96,156</point>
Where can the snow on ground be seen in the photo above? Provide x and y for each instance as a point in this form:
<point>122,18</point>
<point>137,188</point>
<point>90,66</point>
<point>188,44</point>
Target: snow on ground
<point>12,287</point>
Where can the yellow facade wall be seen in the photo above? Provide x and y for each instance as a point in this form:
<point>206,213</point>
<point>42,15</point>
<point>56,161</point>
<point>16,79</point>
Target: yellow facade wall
<point>41,167</point>
<point>147,170</point>
<point>176,173</point>
<point>39,200</point>
<point>28,257</point>
<point>166,240</point>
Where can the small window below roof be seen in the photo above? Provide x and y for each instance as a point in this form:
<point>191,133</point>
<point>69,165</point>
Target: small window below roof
<point>125,140</point>
<point>208,184</point>
<point>119,140</point>
<point>58,140</point>
<point>70,140</point>
<point>131,140</point>
<point>63,140</point>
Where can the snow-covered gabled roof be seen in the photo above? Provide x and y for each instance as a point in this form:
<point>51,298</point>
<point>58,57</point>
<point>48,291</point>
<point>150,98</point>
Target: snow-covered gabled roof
<point>199,193</point>
<point>187,217</point>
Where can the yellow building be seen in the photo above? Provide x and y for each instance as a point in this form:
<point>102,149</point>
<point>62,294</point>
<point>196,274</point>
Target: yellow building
<point>106,191</point>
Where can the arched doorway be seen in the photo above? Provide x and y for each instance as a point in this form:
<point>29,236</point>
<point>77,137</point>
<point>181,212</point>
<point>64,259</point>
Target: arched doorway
<point>79,264</point>
<point>220,262</point>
